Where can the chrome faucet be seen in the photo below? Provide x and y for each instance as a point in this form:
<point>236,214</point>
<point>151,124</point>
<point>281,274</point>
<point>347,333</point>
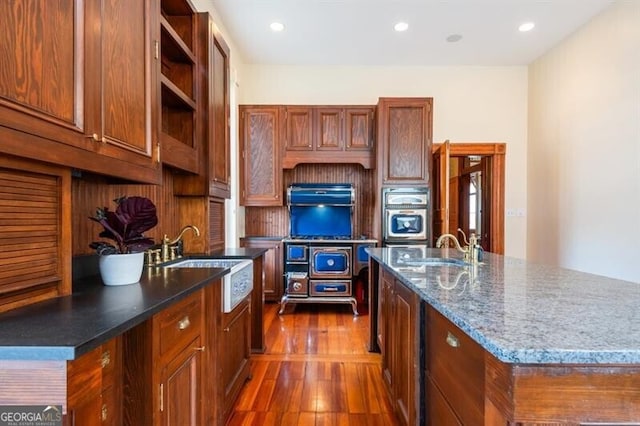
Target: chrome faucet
<point>472,249</point>
<point>166,251</point>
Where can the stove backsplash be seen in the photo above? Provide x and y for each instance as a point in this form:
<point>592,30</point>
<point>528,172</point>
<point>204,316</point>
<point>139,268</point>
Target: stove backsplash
<point>321,221</point>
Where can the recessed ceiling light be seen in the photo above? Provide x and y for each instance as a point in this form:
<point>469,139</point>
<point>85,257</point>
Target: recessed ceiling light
<point>527,26</point>
<point>401,26</point>
<point>454,38</point>
<point>276,26</point>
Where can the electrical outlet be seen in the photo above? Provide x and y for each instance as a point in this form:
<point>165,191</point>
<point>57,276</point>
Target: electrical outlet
<point>520,212</point>
<point>511,212</point>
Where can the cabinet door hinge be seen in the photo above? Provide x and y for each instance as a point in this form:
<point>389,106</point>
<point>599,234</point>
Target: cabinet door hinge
<point>156,49</point>
<point>161,397</point>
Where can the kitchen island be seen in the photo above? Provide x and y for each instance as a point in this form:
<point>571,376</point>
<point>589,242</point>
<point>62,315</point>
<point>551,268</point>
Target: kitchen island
<point>504,341</point>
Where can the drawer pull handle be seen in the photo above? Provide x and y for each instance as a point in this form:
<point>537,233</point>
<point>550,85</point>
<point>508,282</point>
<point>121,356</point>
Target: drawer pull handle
<point>184,323</point>
<point>452,340</point>
<point>105,359</point>
<point>226,329</point>
<point>199,348</point>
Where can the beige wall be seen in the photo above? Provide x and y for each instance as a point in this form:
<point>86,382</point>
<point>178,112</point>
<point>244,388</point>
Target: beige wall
<point>471,104</point>
<point>584,148</point>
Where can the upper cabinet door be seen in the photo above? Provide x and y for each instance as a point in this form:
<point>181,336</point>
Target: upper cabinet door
<point>41,67</point>
<point>359,129</point>
<point>123,118</point>
<point>260,169</point>
<point>404,140</point>
<point>328,129</point>
<point>299,129</point>
<point>76,85</point>
<point>219,157</point>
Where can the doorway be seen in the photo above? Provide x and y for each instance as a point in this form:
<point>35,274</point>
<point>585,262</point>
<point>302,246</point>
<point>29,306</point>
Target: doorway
<point>469,191</point>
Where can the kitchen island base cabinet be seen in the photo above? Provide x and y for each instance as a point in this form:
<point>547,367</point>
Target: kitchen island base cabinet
<point>399,311</point>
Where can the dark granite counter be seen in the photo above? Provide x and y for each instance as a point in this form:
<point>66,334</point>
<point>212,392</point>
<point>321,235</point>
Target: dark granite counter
<point>522,312</point>
<point>67,327</point>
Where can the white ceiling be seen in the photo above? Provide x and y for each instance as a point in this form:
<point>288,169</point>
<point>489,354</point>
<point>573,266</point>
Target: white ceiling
<point>360,32</point>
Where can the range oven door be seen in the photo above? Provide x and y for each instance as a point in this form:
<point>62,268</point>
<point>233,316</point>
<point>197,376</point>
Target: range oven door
<point>330,262</point>
<point>405,224</point>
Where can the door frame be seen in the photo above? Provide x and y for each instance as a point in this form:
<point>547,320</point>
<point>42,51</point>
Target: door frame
<point>496,153</point>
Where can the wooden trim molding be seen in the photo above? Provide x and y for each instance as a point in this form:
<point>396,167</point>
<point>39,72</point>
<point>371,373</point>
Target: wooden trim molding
<point>497,153</point>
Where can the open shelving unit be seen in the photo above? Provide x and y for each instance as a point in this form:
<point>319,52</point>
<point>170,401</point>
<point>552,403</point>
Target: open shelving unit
<point>178,92</point>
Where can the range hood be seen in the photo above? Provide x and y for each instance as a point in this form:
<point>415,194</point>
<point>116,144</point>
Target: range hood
<point>315,194</point>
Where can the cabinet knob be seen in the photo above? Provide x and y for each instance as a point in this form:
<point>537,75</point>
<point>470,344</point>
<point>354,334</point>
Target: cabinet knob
<point>184,323</point>
<point>105,359</point>
<point>452,340</point>
<point>104,412</point>
<point>199,349</point>
<point>95,137</point>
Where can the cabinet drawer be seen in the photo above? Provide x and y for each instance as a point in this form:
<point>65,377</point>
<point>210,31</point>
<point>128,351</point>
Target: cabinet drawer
<point>438,410</point>
<point>179,324</point>
<point>455,363</point>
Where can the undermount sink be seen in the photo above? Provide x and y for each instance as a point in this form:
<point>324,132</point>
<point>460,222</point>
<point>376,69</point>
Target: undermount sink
<point>435,261</point>
<point>236,285</point>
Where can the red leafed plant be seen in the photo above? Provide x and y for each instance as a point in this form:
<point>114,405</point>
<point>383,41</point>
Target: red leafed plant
<point>125,226</point>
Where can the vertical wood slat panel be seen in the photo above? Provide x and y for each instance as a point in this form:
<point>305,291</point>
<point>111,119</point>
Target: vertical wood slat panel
<point>35,232</point>
<point>274,221</point>
<point>216,224</point>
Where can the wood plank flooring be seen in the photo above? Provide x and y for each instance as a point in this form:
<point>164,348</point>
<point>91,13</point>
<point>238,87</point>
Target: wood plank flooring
<point>316,371</point>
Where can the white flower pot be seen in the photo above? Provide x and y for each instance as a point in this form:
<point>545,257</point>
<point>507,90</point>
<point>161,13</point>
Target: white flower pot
<point>121,269</point>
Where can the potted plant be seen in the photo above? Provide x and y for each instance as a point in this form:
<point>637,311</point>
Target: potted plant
<point>121,261</point>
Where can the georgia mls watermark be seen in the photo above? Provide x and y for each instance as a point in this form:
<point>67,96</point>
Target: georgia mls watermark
<point>31,415</point>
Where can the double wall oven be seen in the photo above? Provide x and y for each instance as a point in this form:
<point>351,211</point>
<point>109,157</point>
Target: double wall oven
<point>321,257</point>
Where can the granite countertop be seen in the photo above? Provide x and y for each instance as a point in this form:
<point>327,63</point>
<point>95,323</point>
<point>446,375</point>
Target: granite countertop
<point>523,312</point>
<point>66,327</point>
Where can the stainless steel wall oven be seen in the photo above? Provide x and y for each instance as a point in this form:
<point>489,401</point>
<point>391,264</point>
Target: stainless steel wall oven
<point>405,215</point>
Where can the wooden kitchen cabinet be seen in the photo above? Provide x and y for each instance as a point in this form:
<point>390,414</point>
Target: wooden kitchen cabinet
<point>163,366</point>
<point>94,383</point>
<point>398,313</point>
<point>298,128</point>
<point>404,141</point>
<point>328,134</point>
<point>98,116</point>
<point>455,371</point>
<point>213,149</point>
<point>273,282</point>
<point>234,352</point>
<point>177,336</point>
<point>260,162</point>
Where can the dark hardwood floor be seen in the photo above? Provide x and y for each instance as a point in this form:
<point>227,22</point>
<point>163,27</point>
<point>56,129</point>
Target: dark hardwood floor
<point>316,371</point>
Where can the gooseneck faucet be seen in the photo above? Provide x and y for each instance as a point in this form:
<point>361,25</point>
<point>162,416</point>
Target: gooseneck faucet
<point>167,243</point>
<point>472,249</point>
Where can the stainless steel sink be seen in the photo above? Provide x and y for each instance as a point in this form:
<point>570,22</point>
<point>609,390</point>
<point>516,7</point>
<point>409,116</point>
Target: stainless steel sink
<point>434,261</point>
<point>236,285</point>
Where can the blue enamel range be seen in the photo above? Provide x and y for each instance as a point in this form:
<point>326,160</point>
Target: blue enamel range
<point>319,251</point>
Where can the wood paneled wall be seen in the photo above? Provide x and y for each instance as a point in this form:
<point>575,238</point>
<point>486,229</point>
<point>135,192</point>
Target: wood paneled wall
<point>274,221</point>
<point>91,191</point>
